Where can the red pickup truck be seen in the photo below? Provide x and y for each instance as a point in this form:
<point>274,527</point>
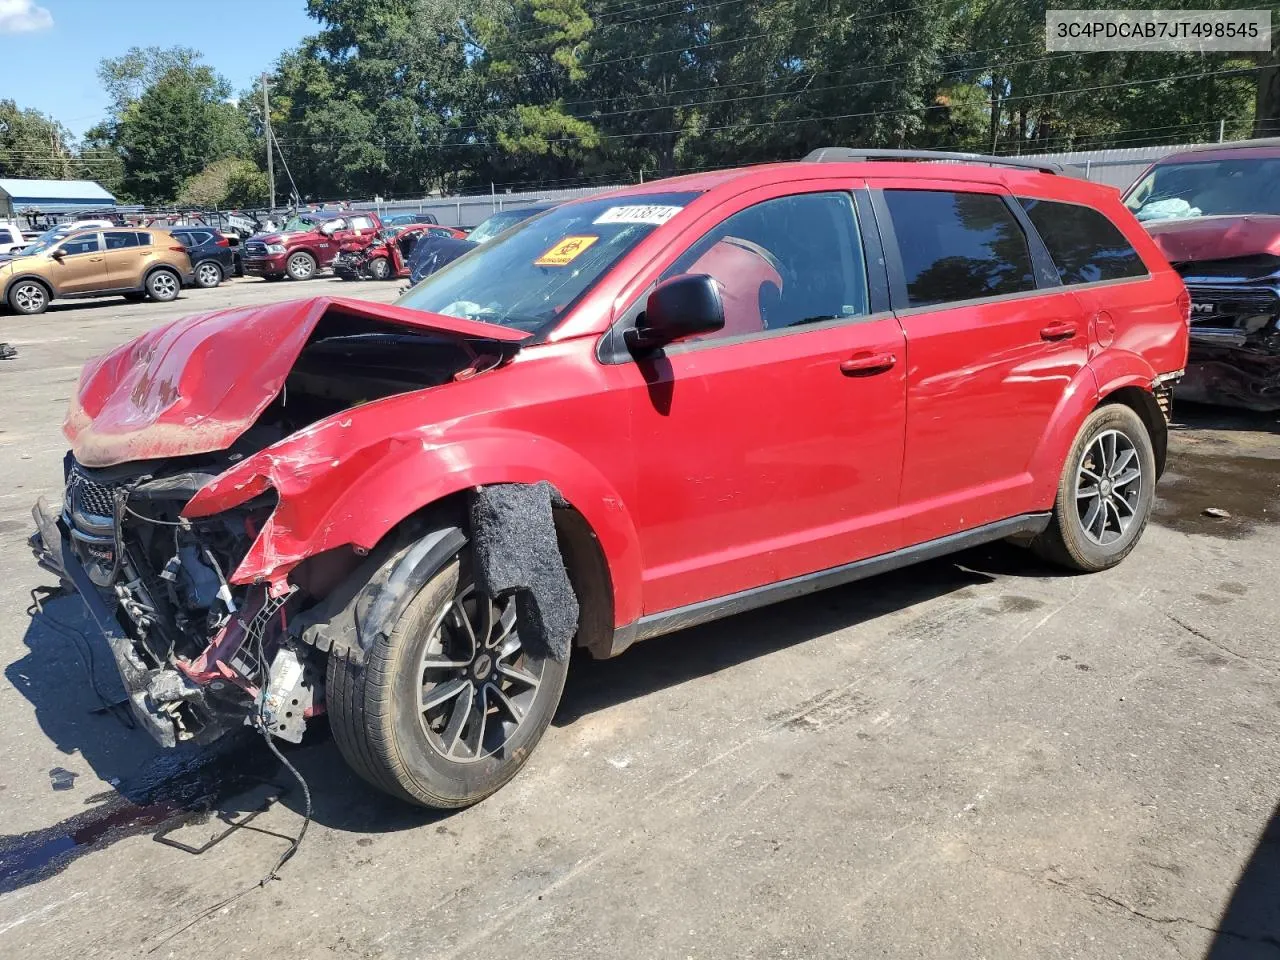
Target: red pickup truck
<point>307,244</point>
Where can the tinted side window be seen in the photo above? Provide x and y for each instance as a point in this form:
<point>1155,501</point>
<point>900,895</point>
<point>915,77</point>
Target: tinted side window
<point>958,246</point>
<point>783,262</point>
<point>119,239</point>
<point>144,239</point>
<point>87,244</point>
<point>1085,245</point>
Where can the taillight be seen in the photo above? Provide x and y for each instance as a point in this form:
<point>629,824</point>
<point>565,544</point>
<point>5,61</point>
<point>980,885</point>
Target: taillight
<point>222,242</point>
<point>179,248</point>
<point>1184,306</point>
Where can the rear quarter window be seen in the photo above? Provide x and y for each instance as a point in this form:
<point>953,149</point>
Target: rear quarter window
<point>1085,246</point>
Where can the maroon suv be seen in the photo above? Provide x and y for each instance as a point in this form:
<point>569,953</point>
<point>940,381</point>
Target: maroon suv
<point>1214,211</point>
<point>307,244</point>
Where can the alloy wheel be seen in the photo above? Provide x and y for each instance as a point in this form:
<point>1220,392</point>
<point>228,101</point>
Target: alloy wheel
<point>208,275</point>
<point>1108,487</point>
<point>478,685</point>
<point>164,286</point>
<point>300,267</point>
<point>29,298</point>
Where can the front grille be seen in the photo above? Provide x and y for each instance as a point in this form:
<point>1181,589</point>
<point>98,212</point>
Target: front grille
<point>255,249</point>
<point>1235,300</point>
<point>89,497</point>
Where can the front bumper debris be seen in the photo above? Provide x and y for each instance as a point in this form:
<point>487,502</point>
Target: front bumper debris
<point>1235,346</point>
<point>146,689</point>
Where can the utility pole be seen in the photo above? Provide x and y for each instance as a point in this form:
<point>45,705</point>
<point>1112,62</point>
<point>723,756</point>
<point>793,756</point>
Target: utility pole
<point>266,118</point>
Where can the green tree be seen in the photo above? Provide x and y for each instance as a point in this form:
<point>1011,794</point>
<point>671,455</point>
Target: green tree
<point>33,146</point>
<point>179,125</point>
<point>227,183</point>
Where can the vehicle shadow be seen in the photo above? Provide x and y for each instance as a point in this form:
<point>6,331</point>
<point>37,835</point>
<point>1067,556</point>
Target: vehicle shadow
<point>1203,416</point>
<point>230,781</point>
<point>678,657</point>
<point>1250,925</point>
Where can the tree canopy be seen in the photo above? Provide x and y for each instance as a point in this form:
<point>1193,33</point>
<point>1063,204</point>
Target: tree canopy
<point>405,97</point>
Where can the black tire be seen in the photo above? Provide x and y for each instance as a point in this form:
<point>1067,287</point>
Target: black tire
<point>379,268</point>
<point>163,286</point>
<point>135,296</point>
<point>390,739</point>
<point>208,274</point>
<point>301,266</point>
<point>29,297</point>
<point>1107,539</point>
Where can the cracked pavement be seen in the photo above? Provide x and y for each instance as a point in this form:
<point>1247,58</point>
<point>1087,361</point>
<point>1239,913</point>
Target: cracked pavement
<point>978,757</point>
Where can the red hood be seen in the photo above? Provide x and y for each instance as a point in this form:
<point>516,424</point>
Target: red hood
<point>1216,238</point>
<point>195,385</point>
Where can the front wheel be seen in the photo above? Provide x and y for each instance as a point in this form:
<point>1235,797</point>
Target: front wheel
<point>379,268</point>
<point>29,297</point>
<point>301,266</point>
<point>448,705</point>
<point>163,286</point>
<point>1105,495</point>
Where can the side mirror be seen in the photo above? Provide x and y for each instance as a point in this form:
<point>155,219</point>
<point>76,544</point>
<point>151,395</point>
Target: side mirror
<point>58,254</point>
<point>680,307</point>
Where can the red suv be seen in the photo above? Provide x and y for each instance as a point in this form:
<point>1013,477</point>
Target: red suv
<point>633,413</point>
<point>306,245</point>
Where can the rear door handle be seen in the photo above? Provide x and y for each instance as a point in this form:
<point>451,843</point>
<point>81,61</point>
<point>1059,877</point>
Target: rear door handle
<point>867,364</point>
<point>1059,330</point>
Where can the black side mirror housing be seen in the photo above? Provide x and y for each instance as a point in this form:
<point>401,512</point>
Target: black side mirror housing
<point>681,306</point>
<point>58,254</point>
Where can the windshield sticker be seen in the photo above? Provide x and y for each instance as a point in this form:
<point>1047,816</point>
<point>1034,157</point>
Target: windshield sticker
<point>654,213</point>
<point>565,252</point>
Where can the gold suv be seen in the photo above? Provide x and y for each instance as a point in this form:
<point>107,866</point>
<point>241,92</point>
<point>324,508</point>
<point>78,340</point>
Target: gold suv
<point>95,263</point>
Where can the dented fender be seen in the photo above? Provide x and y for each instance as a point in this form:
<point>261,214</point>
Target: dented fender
<point>335,492</point>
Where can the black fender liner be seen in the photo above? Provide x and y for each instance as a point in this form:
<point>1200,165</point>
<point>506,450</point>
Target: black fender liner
<point>514,545</point>
<point>366,605</point>
<point>514,551</point>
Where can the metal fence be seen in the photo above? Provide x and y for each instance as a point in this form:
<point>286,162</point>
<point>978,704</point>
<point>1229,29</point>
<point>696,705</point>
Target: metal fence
<point>1116,168</point>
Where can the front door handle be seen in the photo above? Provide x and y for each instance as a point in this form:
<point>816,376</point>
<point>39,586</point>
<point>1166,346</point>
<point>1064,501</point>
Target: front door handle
<point>95,259</point>
<point>1058,330</point>
<point>866,364</point>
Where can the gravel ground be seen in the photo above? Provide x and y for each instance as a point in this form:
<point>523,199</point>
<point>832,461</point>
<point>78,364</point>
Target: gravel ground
<point>978,757</point>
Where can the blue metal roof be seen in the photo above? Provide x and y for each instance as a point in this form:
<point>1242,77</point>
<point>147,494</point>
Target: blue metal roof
<point>55,192</point>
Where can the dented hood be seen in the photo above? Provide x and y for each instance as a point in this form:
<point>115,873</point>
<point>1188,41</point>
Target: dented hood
<point>197,384</point>
<point>1216,238</point>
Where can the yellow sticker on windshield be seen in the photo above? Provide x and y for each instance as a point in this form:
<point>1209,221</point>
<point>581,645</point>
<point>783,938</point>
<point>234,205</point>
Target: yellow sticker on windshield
<point>565,252</point>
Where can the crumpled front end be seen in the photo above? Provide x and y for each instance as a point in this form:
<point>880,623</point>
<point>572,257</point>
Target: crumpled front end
<point>1235,343</point>
<point>197,655</point>
<point>202,646</point>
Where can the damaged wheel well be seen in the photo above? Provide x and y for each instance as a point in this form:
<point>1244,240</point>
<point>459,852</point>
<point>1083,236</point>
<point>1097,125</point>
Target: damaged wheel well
<point>371,595</point>
<point>1145,405</point>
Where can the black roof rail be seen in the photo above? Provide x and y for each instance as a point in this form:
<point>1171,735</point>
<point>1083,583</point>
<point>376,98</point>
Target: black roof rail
<point>857,154</point>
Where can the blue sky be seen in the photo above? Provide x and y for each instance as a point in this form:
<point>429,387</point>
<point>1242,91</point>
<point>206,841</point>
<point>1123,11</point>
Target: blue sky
<point>52,47</point>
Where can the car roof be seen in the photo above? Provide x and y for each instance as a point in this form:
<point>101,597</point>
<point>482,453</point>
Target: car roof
<point>1262,149</point>
<point>739,179</point>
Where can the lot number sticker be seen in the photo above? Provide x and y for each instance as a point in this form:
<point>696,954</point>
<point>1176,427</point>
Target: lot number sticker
<point>565,252</point>
<point>654,213</point>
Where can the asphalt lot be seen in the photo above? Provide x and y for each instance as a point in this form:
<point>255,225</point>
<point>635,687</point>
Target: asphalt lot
<point>976,758</point>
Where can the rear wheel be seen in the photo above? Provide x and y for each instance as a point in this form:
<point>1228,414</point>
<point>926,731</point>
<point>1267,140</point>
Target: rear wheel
<point>29,297</point>
<point>379,268</point>
<point>1106,492</point>
<point>448,706</point>
<point>208,274</point>
<point>163,286</point>
<point>301,266</point>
